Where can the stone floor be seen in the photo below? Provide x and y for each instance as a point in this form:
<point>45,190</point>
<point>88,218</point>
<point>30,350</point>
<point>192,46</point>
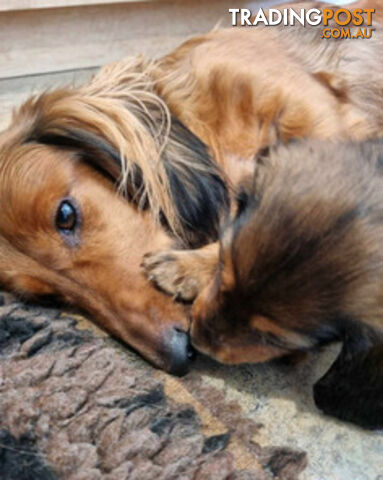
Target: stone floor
<point>280,397</point>
<point>277,396</point>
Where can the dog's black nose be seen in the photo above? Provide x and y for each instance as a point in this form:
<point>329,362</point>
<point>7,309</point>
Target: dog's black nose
<point>181,353</point>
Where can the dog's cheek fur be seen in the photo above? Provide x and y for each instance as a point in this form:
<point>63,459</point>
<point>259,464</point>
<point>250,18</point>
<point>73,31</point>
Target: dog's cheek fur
<point>223,328</point>
<point>238,345</point>
<point>32,284</point>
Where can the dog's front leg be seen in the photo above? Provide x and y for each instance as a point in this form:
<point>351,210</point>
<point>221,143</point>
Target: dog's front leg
<point>352,389</point>
<point>182,273</point>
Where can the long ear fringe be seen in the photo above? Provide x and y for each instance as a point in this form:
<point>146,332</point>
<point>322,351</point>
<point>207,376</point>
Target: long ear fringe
<point>120,107</point>
<point>115,106</point>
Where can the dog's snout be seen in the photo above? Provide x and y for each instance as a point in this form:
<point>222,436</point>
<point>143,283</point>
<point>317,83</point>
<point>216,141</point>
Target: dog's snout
<point>181,352</point>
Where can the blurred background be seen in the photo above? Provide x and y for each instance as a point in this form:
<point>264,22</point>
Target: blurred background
<point>50,42</point>
<point>46,43</point>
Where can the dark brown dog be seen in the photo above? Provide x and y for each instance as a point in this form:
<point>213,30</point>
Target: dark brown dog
<point>299,266</point>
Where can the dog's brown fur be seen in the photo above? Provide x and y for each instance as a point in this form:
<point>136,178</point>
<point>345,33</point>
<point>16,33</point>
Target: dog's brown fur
<point>300,265</point>
<point>239,90</point>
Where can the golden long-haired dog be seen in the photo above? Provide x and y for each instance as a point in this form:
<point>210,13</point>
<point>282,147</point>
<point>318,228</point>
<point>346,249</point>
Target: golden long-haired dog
<point>300,265</point>
<point>176,135</point>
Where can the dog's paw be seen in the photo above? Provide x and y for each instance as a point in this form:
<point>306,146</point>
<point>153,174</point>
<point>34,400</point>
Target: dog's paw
<point>169,272</point>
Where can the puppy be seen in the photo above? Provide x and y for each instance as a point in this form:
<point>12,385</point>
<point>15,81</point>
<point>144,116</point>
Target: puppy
<point>300,265</point>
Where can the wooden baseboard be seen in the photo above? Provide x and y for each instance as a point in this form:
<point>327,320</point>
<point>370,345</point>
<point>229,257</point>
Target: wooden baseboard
<point>12,5</point>
<point>58,39</point>
<point>14,91</point>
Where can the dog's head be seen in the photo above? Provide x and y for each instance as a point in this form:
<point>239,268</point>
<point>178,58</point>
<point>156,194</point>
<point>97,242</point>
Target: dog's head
<point>240,316</point>
<point>90,180</point>
<point>299,257</point>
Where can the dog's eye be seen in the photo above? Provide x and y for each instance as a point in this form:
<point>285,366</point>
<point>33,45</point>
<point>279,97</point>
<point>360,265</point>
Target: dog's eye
<point>66,217</point>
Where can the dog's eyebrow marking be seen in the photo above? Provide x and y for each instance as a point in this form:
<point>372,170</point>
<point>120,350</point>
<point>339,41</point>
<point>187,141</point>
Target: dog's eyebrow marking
<point>278,335</point>
<point>93,145</point>
<point>101,156</point>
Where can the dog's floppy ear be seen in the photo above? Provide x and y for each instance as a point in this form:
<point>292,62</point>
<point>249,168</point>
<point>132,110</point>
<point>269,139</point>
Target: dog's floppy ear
<point>352,389</point>
<point>197,185</point>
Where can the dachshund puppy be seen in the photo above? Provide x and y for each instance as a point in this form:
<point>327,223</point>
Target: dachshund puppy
<point>300,265</point>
